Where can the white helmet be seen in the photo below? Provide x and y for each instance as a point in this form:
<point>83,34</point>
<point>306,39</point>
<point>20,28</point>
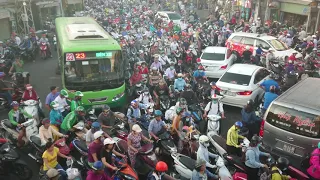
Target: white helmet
<point>98,134</point>
<point>247,47</point>
<point>203,139</point>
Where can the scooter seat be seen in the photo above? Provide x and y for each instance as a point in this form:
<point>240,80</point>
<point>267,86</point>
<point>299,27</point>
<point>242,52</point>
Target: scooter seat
<point>36,140</point>
<point>238,161</point>
<point>81,145</point>
<point>188,162</point>
<point>8,124</point>
<point>220,140</point>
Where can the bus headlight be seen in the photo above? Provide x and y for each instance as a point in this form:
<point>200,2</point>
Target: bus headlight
<point>117,97</point>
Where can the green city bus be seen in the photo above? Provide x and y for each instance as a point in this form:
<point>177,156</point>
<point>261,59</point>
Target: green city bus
<point>90,61</point>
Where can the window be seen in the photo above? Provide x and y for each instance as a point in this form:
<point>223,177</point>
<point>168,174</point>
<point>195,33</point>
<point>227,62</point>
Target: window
<point>174,16</point>
<point>238,79</point>
<point>263,44</point>
<point>248,41</point>
<point>277,45</point>
<point>236,39</point>
<point>262,73</point>
<point>213,56</point>
<point>295,121</point>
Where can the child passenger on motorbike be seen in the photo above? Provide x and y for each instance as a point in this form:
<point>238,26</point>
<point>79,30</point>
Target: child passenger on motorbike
<point>16,117</point>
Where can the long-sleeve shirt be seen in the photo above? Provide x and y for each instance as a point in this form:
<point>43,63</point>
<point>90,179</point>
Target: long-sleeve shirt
<point>252,157</point>
<point>45,134</point>
<point>233,137</point>
<point>14,116</point>
<point>204,154</point>
<point>55,117</point>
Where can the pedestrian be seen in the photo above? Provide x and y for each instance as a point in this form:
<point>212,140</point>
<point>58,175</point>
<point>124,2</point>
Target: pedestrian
<point>51,96</point>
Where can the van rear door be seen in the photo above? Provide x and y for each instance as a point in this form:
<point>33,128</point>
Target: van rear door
<point>291,132</point>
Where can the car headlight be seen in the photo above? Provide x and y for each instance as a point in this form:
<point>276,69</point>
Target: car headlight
<point>118,96</point>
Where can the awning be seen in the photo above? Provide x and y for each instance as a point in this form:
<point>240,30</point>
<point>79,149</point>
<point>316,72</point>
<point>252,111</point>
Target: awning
<point>302,2</point>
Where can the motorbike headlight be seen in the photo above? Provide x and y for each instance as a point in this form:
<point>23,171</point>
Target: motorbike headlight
<point>129,177</point>
<point>152,157</point>
<point>118,96</point>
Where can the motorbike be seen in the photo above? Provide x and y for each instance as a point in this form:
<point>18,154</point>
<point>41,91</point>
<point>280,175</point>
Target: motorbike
<point>21,79</point>
<point>190,143</point>
<point>11,163</point>
<point>78,131</point>
<point>120,129</point>
<point>5,65</point>
<point>125,171</point>
<point>214,124</point>
<point>184,166</point>
<point>165,144</point>
<point>30,106</point>
<point>277,69</point>
<point>55,42</point>
<point>164,103</point>
<point>16,95</point>
<point>10,133</point>
<point>43,50</point>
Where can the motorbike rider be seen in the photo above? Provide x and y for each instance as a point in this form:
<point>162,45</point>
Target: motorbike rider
<point>278,168</point>
<point>288,40</point>
<point>46,132</point>
<point>200,170</point>
<point>189,95</point>
<point>269,97</point>
<point>134,113</point>
<point>17,116</point>
<point>170,72</point>
<point>252,160</point>
<point>45,40</point>
<point>313,55</point>
<point>215,107</point>
<point>304,44</point>
<point>95,148</point>
<point>17,65</point>
<point>179,67</point>
<point>159,172</point>
<point>204,154</point>
<point>76,101</point>
<point>31,94</point>
<point>73,118</point>
<point>266,84</point>
<point>156,63</point>
<point>62,101</point>
<point>51,96</point>
<point>269,57</point>
<point>95,127</point>
<point>4,90</point>
<point>246,55</point>
<point>293,57</point>
<point>107,119</point>
<point>106,155</point>
<point>251,121</point>
<point>26,43</point>
<point>179,83</point>
<point>290,67</point>
<point>176,128</point>
<point>134,143</point>
<point>143,69</point>
<point>314,169</point>
<point>136,77</point>
<point>55,117</point>
<point>156,125</point>
<point>161,90</point>
<point>199,75</point>
<point>145,97</point>
<point>97,172</point>
<point>154,78</point>
<point>259,52</point>
<point>233,147</point>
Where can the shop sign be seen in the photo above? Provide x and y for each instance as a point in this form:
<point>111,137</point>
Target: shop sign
<point>4,14</point>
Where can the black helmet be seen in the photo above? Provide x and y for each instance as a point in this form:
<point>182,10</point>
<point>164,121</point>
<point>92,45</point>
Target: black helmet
<point>271,75</point>
<point>250,103</point>
<point>255,140</point>
<point>282,163</point>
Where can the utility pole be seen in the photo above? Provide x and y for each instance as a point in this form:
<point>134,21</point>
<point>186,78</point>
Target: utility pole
<point>24,16</point>
<point>61,7</point>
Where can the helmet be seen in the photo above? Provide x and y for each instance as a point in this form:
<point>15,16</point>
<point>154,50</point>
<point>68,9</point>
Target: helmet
<point>98,165</point>
<point>314,49</point>
<point>203,139</point>
<point>98,134</point>
<point>200,68</point>
<point>214,96</point>
<point>108,141</point>
<point>53,173</point>
<point>238,123</point>
<point>53,104</point>
<point>282,163</point>
<point>255,140</point>
<point>154,69</point>
<point>304,39</point>
<point>78,93</point>
<point>271,75</point>
<point>314,36</point>
<point>161,166</point>
<point>247,47</point>
<point>290,61</point>
<point>134,102</point>
<point>182,101</point>
<point>212,83</point>
<point>14,104</point>
<point>199,163</point>
<point>250,102</point>
<point>157,113</point>
<point>64,93</point>
<point>179,110</point>
<point>179,74</point>
<point>272,88</point>
<point>80,109</point>
<point>2,74</point>
<point>188,86</point>
<point>136,128</point>
<point>198,60</point>
<point>96,125</point>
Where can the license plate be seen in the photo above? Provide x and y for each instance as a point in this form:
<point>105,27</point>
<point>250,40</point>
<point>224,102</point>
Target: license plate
<point>229,93</point>
<point>98,106</point>
<point>288,148</point>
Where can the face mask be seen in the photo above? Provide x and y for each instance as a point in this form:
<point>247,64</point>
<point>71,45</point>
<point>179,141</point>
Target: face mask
<point>171,67</point>
<point>214,101</point>
<point>200,71</point>
<point>180,78</point>
<point>187,119</point>
<point>179,64</point>
<point>146,93</point>
<point>206,144</point>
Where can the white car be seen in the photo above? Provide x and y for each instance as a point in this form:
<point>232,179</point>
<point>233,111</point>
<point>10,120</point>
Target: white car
<point>167,16</point>
<point>241,83</point>
<point>217,60</point>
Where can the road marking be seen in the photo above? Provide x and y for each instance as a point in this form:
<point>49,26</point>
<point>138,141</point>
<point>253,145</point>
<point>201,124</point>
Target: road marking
<point>54,77</point>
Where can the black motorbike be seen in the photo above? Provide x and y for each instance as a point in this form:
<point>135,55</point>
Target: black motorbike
<point>164,103</point>
<point>277,70</point>
<point>10,162</point>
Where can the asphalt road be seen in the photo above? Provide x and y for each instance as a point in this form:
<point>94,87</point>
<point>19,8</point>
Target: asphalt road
<point>43,76</point>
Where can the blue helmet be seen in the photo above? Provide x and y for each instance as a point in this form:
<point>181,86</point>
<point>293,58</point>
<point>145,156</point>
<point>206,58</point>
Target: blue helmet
<point>2,74</point>
<point>14,103</point>
<point>96,125</point>
<point>157,113</point>
<point>238,123</point>
<point>212,83</point>
<point>98,165</point>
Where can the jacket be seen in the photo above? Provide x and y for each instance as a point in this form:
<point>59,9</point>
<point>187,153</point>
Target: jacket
<point>253,157</point>
<point>277,175</point>
<point>74,104</point>
<point>197,176</point>
<point>13,119</point>
<point>55,117</point>
<point>94,176</point>
<point>26,95</point>
<point>249,118</point>
<point>233,136</point>
<point>179,84</point>
<point>69,121</point>
<point>314,169</point>
<point>204,154</point>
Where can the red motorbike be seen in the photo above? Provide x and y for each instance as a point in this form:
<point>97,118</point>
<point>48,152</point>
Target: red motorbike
<point>43,50</point>
<point>16,95</point>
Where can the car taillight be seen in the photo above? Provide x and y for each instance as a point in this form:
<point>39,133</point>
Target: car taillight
<point>261,132</point>
<point>245,93</point>
<point>224,67</point>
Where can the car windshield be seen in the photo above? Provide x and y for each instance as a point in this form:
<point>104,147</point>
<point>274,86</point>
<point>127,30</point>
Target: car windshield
<point>295,121</point>
<point>213,56</point>
<point>277,45</point>
<point>238,79</point>
<point>174,16</point>
<point>95,71</point>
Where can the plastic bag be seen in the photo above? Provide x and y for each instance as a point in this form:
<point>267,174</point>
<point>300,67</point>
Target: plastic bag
<point>73,174</point>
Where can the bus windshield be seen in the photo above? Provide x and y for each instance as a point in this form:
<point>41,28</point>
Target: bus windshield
<point>86,69</point>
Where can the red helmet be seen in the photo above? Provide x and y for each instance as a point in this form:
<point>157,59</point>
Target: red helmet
<point>200,68</point>
<point>161,166</point>
<point>198,60</point>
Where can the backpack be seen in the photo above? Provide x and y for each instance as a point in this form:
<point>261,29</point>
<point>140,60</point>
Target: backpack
<point>211,107</point>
